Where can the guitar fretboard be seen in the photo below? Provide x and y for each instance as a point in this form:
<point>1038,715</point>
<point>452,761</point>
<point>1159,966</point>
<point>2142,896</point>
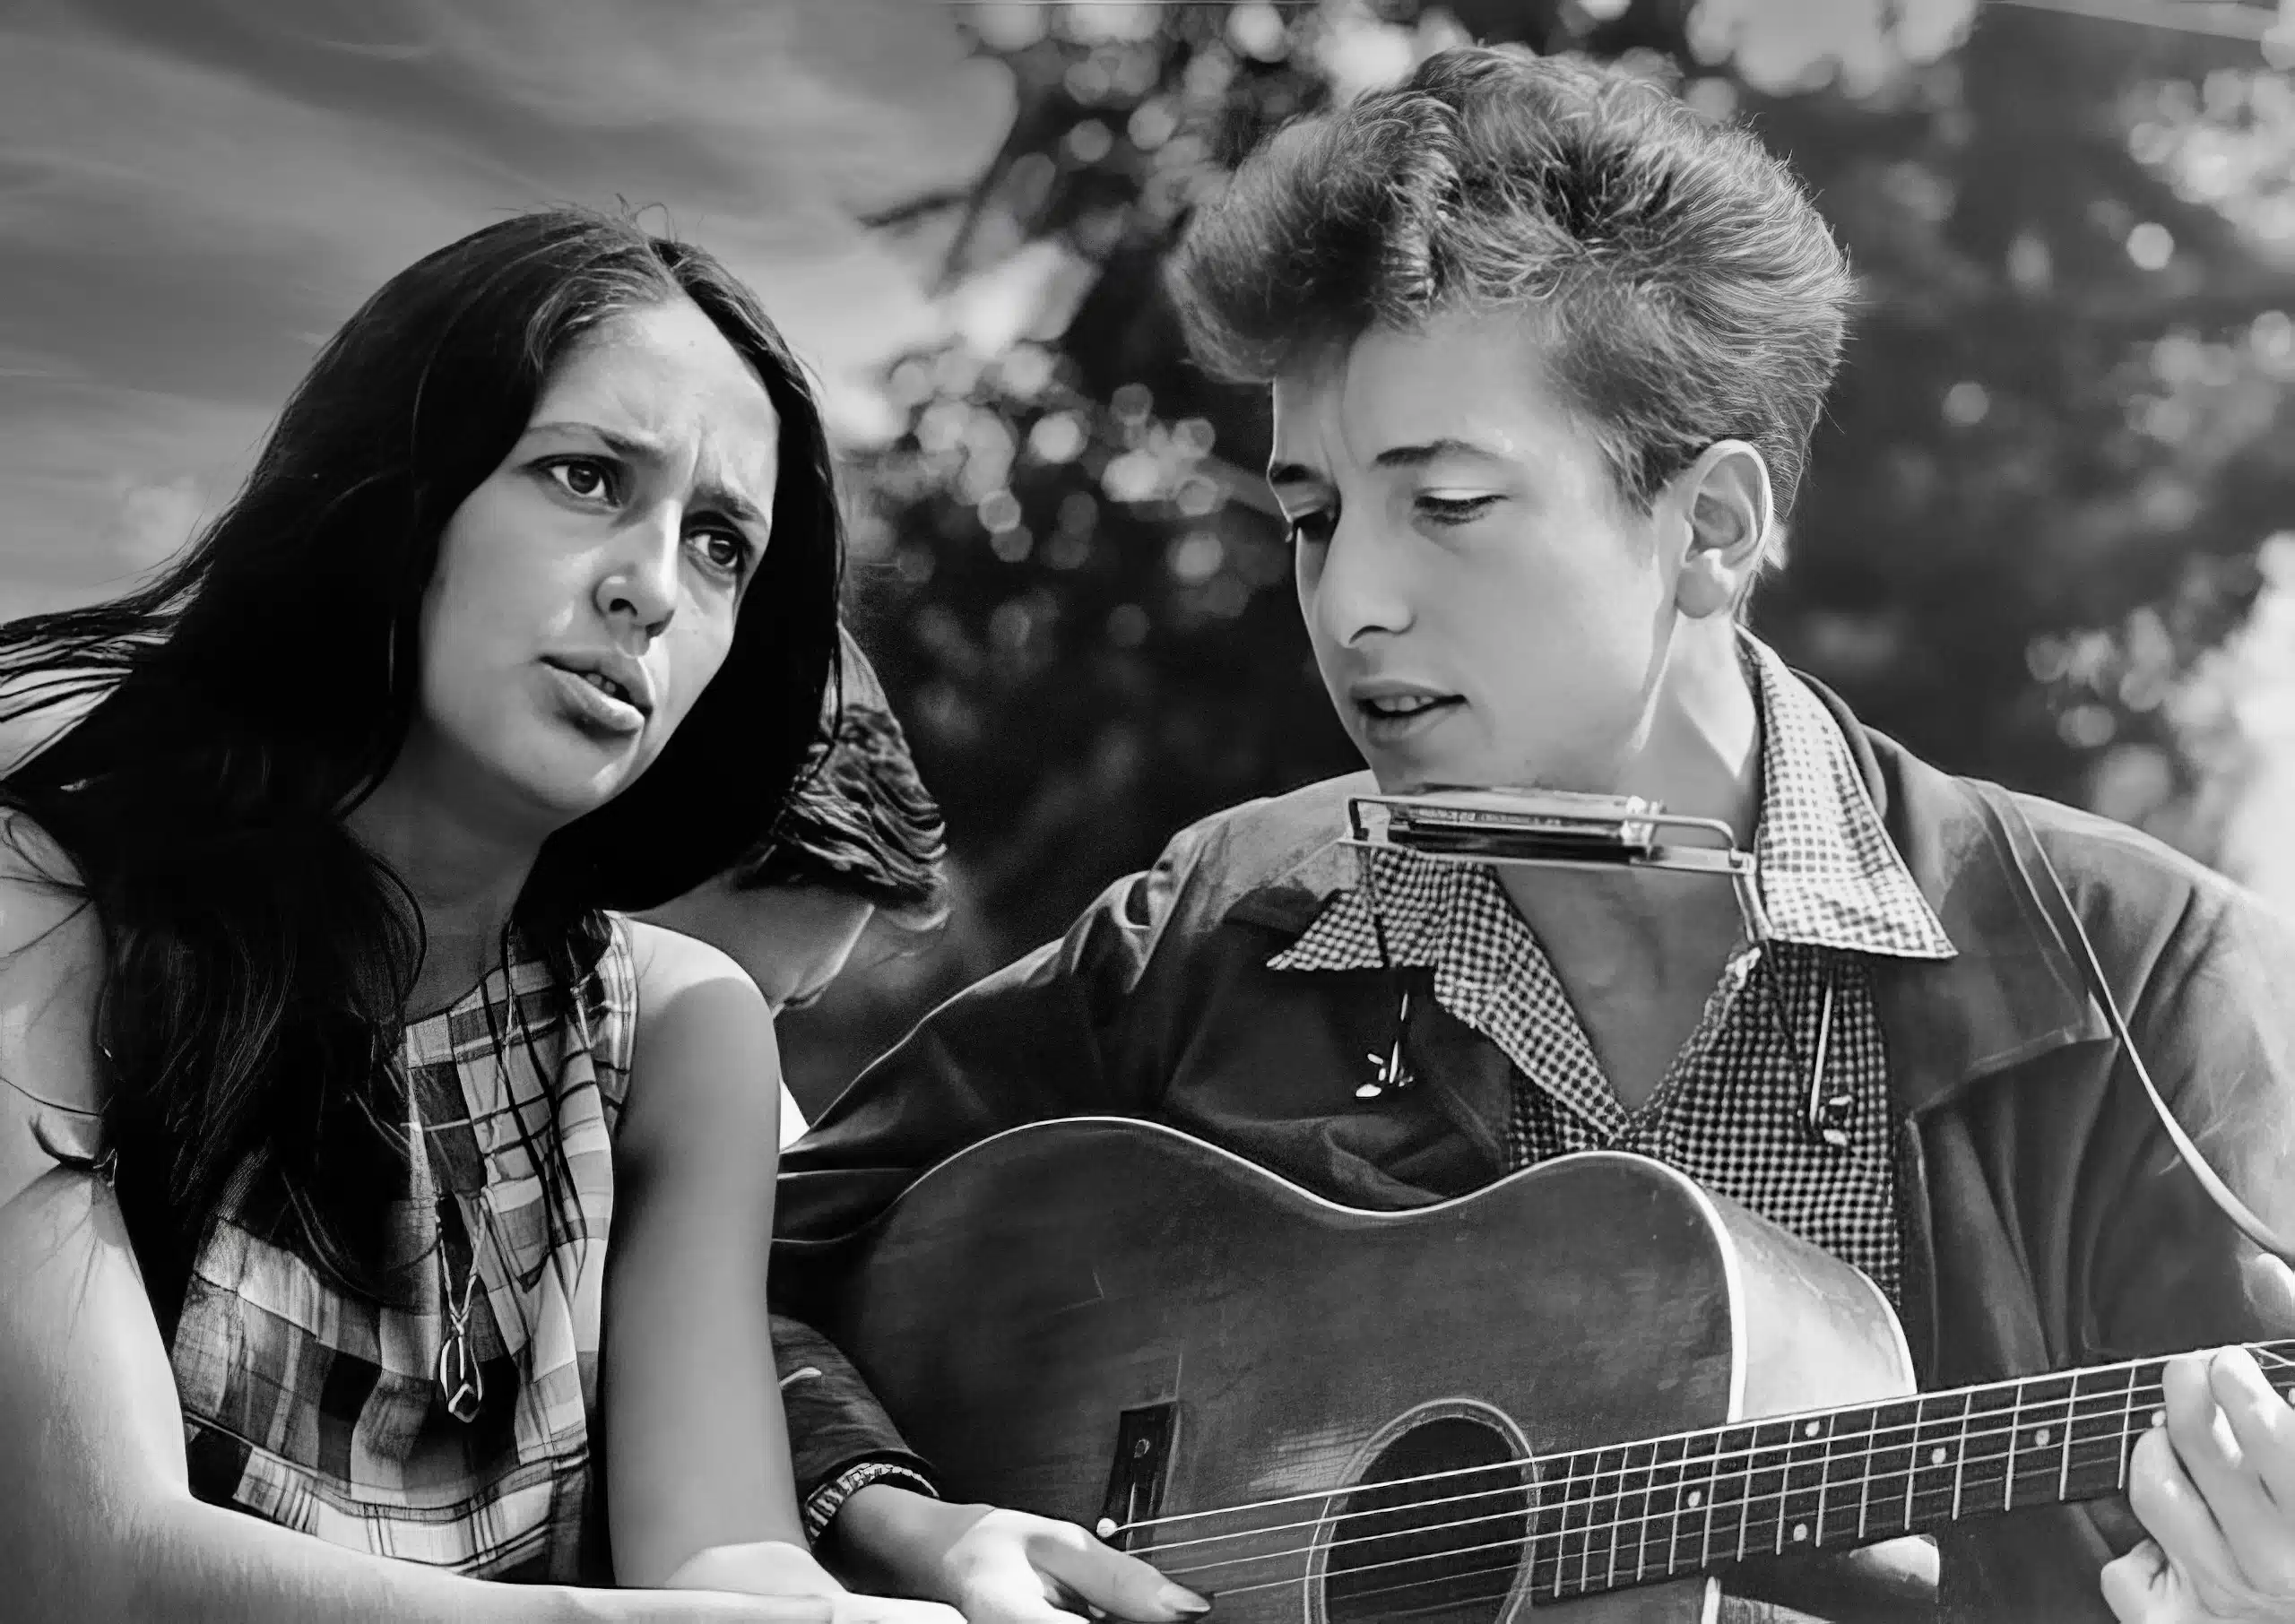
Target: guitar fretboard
<point>1637,1512</point>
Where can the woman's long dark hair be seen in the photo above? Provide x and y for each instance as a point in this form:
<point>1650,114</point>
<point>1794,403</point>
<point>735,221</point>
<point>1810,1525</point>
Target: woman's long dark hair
<point>259,959</point>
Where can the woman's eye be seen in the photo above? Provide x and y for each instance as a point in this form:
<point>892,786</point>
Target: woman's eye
<point>1455,510</point>
<point>581,477</point>
<point>724,549</point>
<point>1315,527</point>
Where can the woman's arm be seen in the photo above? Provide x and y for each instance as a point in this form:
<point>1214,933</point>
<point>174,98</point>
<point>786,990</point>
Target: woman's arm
<point>697,1448</point>
<point>98,1521</point>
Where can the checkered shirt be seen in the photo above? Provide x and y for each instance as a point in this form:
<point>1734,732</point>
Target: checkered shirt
<point>320,1412</point>
<point>1731,1111</point>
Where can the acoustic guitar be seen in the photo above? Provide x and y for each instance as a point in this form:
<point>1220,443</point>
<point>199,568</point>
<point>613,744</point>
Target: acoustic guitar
<point>1592,1389</point>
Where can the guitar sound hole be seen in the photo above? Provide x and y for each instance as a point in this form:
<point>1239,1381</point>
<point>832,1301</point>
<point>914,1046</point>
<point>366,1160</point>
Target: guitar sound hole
<point>1437,1553</point>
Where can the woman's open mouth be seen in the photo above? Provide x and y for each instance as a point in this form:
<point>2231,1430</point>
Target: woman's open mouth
<point>597,704</point>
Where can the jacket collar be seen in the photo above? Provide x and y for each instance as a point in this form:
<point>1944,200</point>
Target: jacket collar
<point>2011,991</point>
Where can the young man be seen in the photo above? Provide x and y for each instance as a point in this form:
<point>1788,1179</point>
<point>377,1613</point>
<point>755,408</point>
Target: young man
<point>1544,352</point>
<point>862,840</point>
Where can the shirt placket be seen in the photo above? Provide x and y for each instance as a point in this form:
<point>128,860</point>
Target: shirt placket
<point>1647,1129</point>
<point>1493,976</point>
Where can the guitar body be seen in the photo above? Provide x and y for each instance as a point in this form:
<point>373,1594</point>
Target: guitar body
<point>1104,1319</point>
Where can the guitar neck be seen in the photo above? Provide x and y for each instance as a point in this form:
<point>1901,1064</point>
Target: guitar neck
<point>1669,1508</point>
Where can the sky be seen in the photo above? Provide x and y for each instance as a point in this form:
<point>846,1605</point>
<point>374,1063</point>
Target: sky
<point>194,192</point>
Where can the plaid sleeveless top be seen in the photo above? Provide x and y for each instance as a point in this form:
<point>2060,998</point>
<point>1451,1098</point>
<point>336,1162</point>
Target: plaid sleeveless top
<point>317,1411</point>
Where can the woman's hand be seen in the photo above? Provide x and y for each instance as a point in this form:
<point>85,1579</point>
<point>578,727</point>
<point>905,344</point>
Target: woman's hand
<point>1003,1567</point>
<point>776,1569</point>
<point>2215,1486</point>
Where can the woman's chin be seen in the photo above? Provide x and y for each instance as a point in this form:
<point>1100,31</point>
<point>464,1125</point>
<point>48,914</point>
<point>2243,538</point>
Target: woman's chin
<point>568,786</point>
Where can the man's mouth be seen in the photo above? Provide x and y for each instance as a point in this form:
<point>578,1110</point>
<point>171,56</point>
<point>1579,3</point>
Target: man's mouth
<point>1404,704</point>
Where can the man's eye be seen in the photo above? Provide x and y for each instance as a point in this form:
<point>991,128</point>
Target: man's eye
<point>1315,527</point>
<point>1455,510</point>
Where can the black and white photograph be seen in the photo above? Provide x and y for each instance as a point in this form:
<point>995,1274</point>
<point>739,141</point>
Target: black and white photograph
<point>1043,811</point>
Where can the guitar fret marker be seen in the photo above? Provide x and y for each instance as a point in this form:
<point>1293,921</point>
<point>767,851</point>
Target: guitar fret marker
<point>1939,1456</point>
<point>1811,1430</point>
<point>1693,1497</point>
<point>1800,1532</point>
<point>2039,1436</point>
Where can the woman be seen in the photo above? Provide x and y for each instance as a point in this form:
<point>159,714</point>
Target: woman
<point>327,1069</point>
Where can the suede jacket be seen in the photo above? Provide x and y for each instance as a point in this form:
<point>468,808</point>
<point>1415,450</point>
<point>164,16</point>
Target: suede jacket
<point>2047,1221</point>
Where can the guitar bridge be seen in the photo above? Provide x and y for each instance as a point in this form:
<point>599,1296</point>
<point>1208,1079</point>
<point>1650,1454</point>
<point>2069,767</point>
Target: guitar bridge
<point>1136,1479</point>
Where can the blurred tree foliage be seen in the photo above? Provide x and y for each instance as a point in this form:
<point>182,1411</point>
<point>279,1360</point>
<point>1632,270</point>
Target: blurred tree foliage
<point>2061,438</point>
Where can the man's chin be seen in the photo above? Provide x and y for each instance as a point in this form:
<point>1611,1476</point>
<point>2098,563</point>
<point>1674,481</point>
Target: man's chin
<point>1397,774</point>
<point>1391,782</point>
<point>1416,777</point>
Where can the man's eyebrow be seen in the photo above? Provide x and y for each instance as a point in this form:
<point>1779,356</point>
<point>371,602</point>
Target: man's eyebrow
<point>1418,456</point>
<point>645,450</point>
<point>1394,456</point>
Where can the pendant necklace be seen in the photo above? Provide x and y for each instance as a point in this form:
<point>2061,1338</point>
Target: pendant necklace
<point>461,1380</point>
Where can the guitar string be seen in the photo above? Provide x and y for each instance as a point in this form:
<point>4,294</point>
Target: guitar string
<point>1761,1508</point>
<point>1553,1586</point>
<point>1762,1513</point>
<point>1508,1570</point>
<point>1556,1561</point>
<point>1863,1480</point>
<point>2263,1351</point>
<point>2121,1401</point>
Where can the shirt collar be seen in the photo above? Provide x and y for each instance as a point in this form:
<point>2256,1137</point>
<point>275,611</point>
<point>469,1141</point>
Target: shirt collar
<point>1829,875</point>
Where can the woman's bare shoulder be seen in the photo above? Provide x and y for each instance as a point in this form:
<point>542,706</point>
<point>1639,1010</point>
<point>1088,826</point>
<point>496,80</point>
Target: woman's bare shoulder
<point>705,1072</point>
<point>669,962</point>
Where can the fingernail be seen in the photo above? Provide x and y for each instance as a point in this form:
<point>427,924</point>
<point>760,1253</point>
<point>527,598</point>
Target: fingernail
<point>1182,1601</point>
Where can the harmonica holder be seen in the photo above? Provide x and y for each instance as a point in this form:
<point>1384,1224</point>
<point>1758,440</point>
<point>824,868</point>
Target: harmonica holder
<point>1550,829</point>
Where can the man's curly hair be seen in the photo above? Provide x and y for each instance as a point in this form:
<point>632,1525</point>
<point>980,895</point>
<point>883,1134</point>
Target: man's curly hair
<point>1683,285</point>
<point>861,820</point>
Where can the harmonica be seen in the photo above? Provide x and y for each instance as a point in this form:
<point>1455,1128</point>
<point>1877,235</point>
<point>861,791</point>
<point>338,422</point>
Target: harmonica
<point>1557,828</point>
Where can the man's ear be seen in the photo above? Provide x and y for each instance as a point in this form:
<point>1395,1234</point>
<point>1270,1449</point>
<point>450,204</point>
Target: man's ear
<point>1726,501</point>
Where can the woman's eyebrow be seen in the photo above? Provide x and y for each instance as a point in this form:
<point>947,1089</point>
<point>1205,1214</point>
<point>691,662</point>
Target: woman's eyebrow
<point>650,453</point>
<point>627,442</point>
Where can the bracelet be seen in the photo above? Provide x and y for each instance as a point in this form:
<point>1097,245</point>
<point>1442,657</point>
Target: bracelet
<point>823,1504</point>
